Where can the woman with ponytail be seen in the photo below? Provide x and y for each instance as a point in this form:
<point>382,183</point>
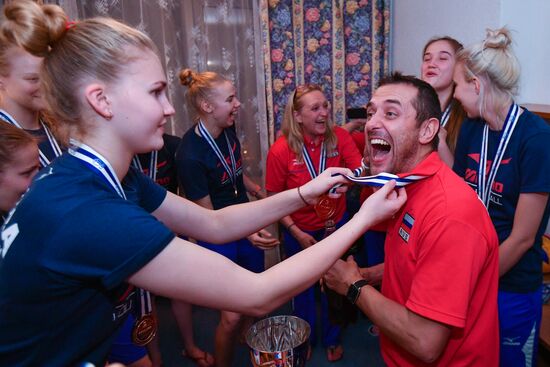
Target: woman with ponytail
<point>92,232</point>
<point>22,102</point>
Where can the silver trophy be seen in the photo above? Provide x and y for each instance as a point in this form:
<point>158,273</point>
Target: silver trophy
<point>279,341</point>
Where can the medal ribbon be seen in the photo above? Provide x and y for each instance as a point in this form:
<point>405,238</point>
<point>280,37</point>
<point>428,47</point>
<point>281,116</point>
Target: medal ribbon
<point>97,163</point>
<point>486,180</point>
<point>381,179</point>
<point>145,302</point>
<point>44,161</point>
<point>152,164</point>
<point>231,171</point>
<point>309,163</point>
<point>445,116</point>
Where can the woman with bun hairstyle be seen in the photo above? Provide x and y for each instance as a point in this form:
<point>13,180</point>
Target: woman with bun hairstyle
<point>502,153</point>
<point>210,171</point>
<point>18,165</point>
<point>310,142</point>
<point>438,63</point>
<point>22,103</point>
<point>67,281</point>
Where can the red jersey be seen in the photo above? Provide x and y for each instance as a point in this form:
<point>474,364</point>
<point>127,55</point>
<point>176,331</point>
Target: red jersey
<point>441,262</point>
<point>285,172</point>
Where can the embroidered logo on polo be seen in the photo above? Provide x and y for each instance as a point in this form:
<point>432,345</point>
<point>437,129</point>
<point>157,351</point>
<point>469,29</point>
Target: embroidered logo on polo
<point>405,227</point>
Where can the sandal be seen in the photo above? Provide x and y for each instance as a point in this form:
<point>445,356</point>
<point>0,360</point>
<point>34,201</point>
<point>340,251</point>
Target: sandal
<point>203,359</point>
<point>335,353</point>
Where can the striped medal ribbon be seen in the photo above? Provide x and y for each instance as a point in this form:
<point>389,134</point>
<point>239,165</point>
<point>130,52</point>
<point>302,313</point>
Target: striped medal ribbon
<point>486,179</point>
<point>381,179</point>
<point>309,163</point>
<point>231,171</point>
<point>445,116</point>
<point>44,161</point>
<point>153,159</point>
<point>97,163</point>
<point>145,327</point>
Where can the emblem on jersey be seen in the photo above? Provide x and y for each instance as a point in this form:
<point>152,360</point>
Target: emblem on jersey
<point>406,227</point>
<point>333,154</point>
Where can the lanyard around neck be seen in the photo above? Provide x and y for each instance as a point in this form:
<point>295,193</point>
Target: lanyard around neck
<point>486,179</point>
<point>153,159</point>
<point>445,116</point>
<point>44,161</point>
<point>97,163</point>
<point>309,163</point>
<point>231,171</point>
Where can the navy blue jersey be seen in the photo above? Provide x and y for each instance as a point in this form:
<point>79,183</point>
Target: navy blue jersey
<point>68,249</point>
<point>524,168</point>
<point>200,172</point>
<point>166,165</point>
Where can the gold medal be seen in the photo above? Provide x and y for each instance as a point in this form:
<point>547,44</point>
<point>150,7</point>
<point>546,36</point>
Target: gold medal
<point>325,207</point>
<point>145,329</point>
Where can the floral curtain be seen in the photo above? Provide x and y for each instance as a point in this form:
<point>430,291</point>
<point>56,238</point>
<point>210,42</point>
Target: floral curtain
<point>343,45</point>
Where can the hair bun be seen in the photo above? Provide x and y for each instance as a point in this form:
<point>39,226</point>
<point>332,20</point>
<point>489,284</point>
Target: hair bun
<point>187,77</point>
<point>32,26</point>
<point>498,38</point>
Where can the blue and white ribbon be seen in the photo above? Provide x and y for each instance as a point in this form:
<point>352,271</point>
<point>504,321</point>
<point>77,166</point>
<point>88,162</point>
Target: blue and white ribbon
<point>486,180</point>
<point>309,163</point>
<point>231,171</point>
<point>44,161</point>
<point>381,179</point>
<point>97,163</point>
<point>152,164</point>
<point>445,116</point>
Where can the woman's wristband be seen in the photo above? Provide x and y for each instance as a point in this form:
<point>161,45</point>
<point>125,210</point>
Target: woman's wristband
<point>290,226</point>
<point>301,197</point>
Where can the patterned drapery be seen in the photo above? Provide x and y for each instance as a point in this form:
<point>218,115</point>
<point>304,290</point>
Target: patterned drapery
<point>343,45</point>
<point>215,35</point>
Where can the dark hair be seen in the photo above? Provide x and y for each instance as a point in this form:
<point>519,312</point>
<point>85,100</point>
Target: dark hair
<point>426,102</point>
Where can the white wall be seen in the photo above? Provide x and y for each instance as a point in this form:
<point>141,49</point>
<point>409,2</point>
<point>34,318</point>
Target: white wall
<point>529,21</point>
<point>416,21</point>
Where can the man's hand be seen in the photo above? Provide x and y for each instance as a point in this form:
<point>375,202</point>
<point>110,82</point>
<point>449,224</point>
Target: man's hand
<point>342,275</point>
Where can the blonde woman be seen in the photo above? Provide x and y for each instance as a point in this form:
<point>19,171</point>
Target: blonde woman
<point>502,153</point>
<point>310,143</point>
<point>105,228</point>
<point>22,102</point>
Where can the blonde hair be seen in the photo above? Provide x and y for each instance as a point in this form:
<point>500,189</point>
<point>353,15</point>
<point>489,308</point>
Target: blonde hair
<point>495,65</point>
<point>200,87</point>
<point>95,48</point>
<point>291,128</point>
<point>11,140</point>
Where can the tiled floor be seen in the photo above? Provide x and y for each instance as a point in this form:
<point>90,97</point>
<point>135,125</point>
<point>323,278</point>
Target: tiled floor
<point>360,348</point>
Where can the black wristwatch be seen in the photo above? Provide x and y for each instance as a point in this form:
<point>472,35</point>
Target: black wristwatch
<point>354,290</point>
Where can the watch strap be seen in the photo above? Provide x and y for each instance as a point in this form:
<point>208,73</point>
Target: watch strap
<point>354,290</point>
